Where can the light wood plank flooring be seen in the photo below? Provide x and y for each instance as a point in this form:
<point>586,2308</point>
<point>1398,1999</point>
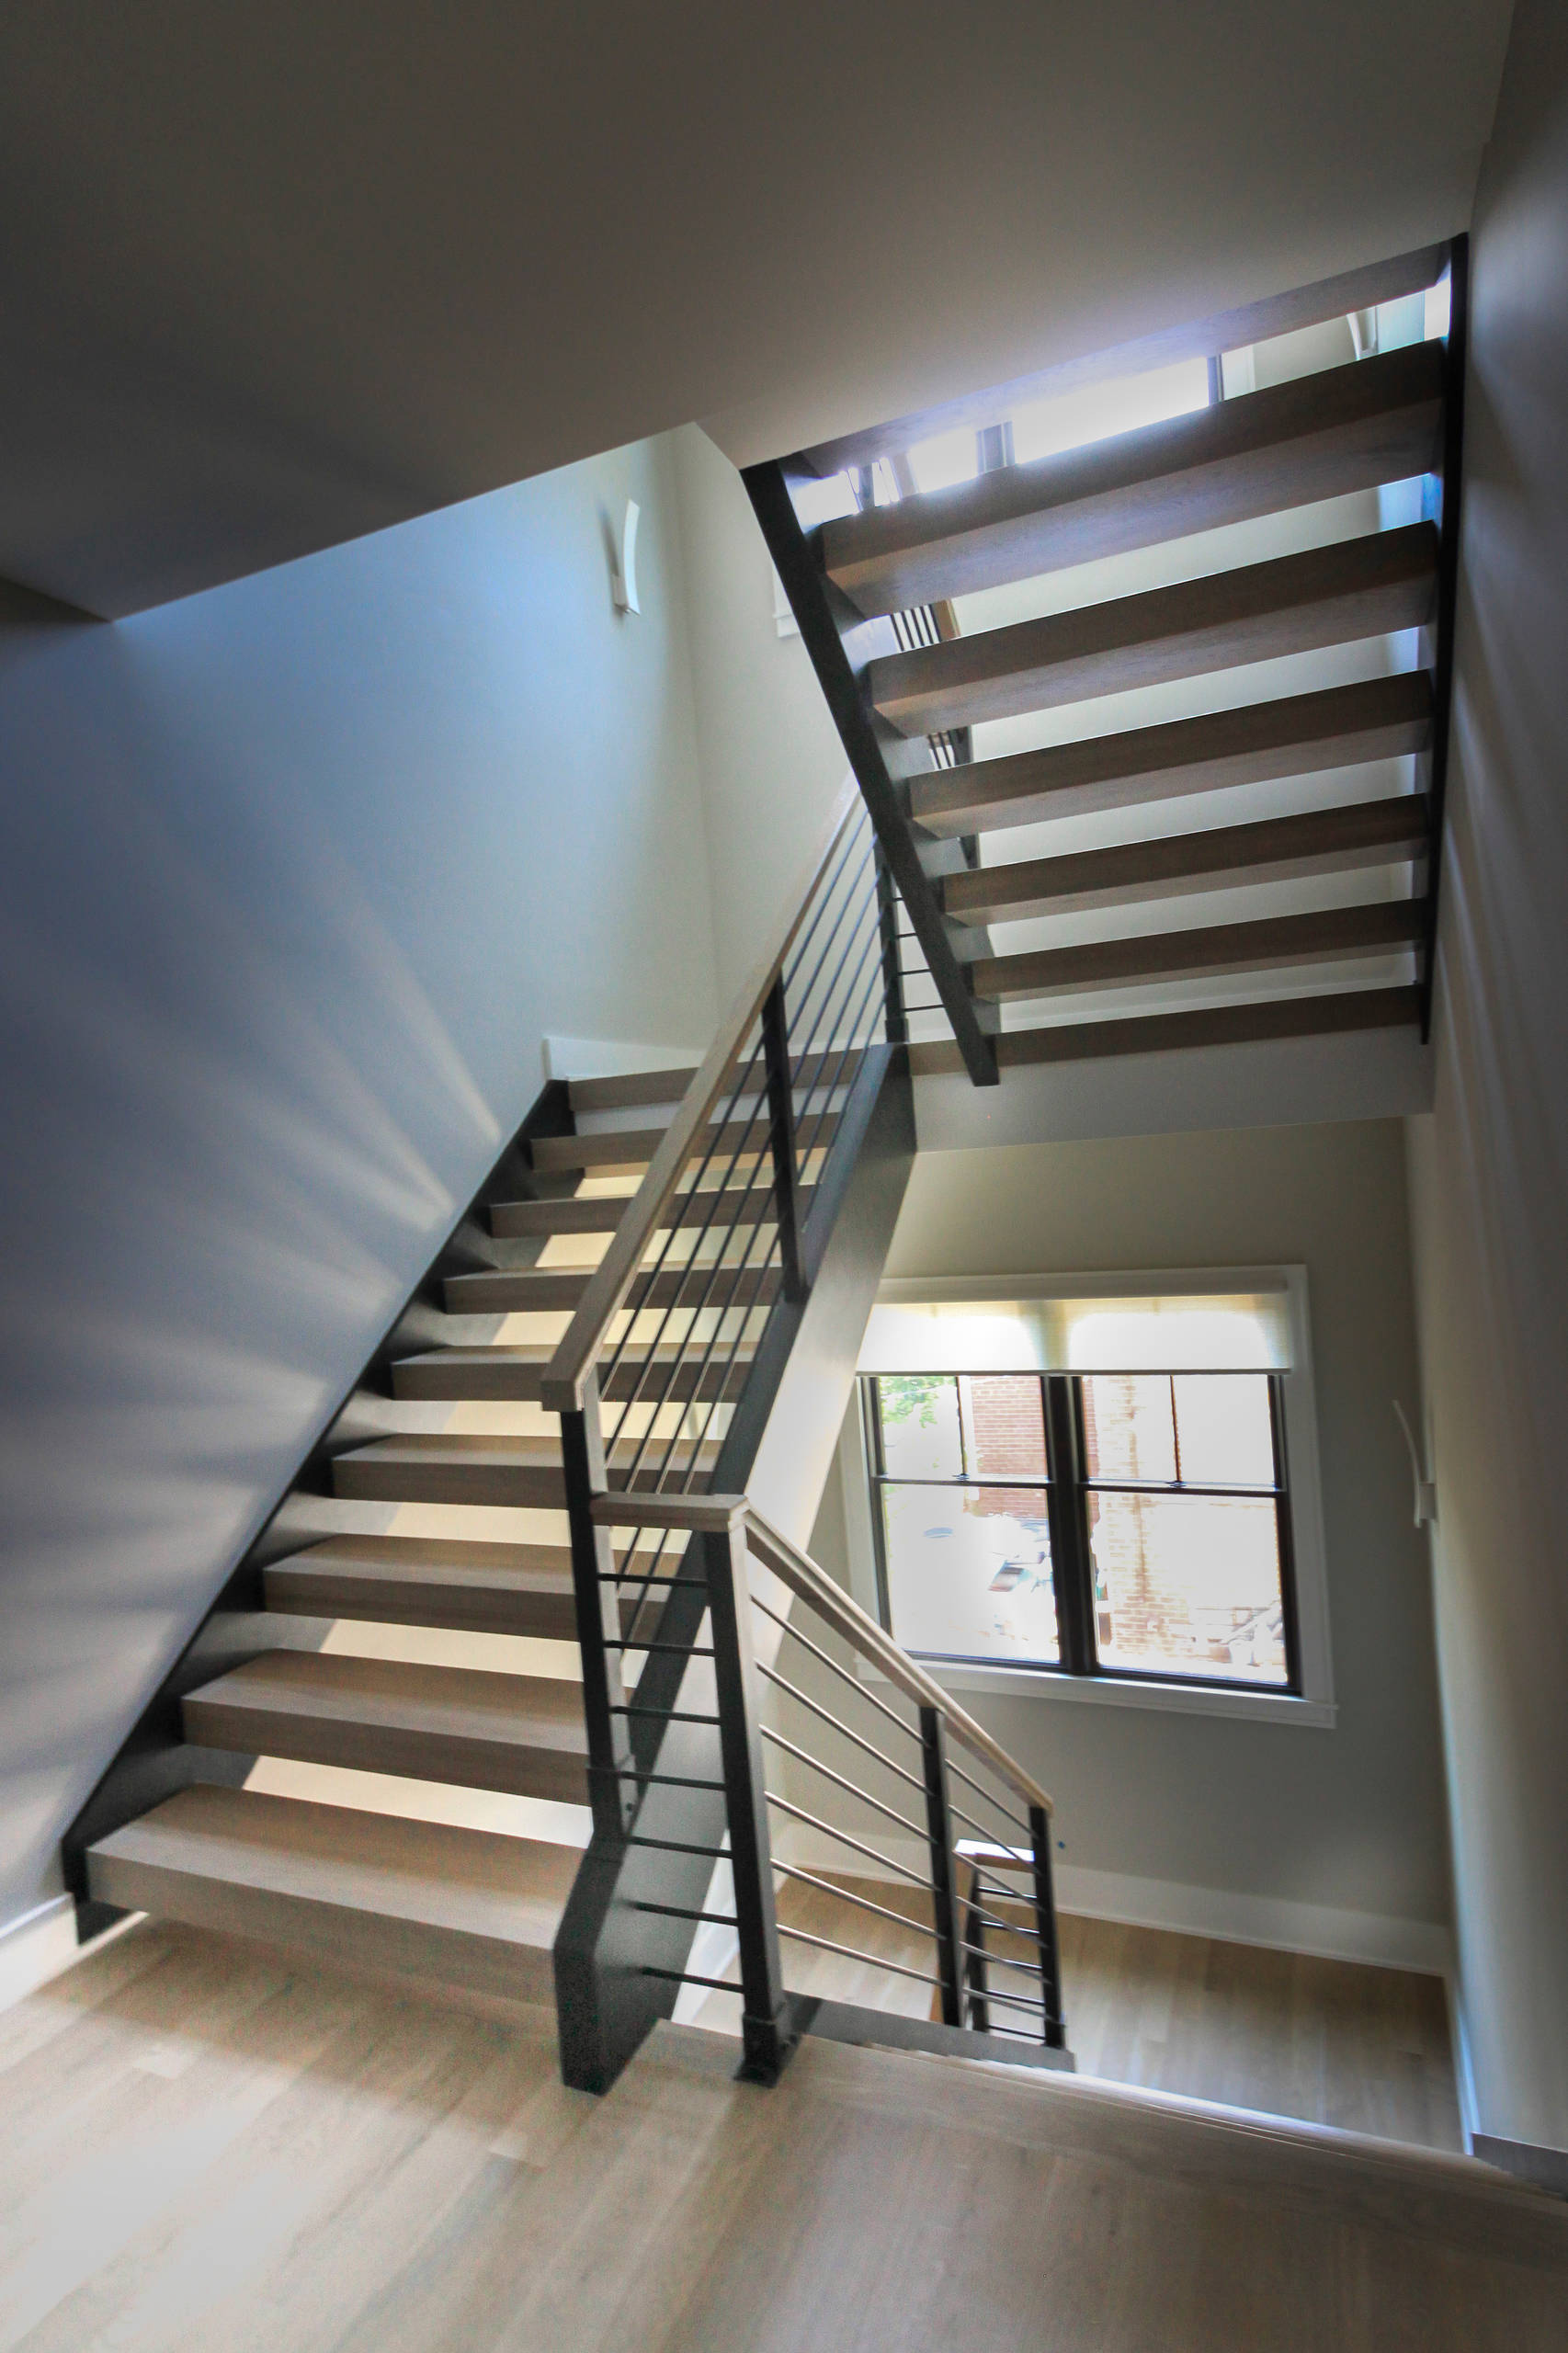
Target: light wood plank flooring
<point>207,2146</point>
<point>1328,2041</point>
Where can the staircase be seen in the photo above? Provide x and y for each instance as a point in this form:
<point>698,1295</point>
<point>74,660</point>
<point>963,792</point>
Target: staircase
<point>524,1689</point>
<point>428,1899</point>
<point>952,625</point>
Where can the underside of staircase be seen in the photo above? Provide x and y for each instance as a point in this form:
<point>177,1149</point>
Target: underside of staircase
<point>1155,726</point>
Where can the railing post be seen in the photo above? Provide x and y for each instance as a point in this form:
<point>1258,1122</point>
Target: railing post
<point>781,1131</point>
<point>765,2009</point>
<point>1055,2034</point>
<point>611,1791</point>
<point>892,968</point>
<point>939,1836</point>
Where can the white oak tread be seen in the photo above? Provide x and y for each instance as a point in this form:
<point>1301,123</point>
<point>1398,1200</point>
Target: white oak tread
<point>634,1147</point>
<point>628,1090</point>
<point>417,1898</point>
<point>514,1373</point>
<point>1255,612</point>
<point>1319,841</point>
<point>521,1734</point>
<point>1326,1015</point>
<point>520,1220</point>
<point>1336,727</point>
<point>543,1289</point>
<point>524,1472</point>
<point>459,1587</point>
<point>1385,927</point>
<point>1319,436</point>
<point>467,1587</point>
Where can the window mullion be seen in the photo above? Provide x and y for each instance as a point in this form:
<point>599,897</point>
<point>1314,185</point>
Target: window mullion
<point>1069,1527</point>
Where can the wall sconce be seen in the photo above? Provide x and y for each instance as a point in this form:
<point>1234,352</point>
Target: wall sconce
<point>1425,1490</point>
<point>623,567</point>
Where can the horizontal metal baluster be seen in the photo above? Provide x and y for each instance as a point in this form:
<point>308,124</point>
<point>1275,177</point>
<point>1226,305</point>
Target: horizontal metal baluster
<point>846,1838</point>
<point>827,1717</point>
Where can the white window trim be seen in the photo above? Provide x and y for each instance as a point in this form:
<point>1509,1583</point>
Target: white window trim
<point>1315,1707</point>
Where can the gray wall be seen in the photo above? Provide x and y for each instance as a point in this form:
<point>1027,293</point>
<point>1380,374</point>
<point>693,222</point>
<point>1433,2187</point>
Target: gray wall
<point>1491,1164</point>
<point>294,876</point>
<point>1346,1820</point>
<point>771,759</point>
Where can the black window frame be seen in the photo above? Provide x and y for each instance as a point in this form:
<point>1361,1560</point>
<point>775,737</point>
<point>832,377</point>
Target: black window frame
<point>1067,1488</point>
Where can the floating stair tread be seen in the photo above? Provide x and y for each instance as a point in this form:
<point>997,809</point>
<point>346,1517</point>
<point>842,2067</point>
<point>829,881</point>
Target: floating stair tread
<point>515,1373</point>
<point>423,1898</point>
<point>516,1221</point>
<point>1293,735</point>
<point>523,1472</point>
<point>534,1291</point>
<point>634,1147</point>
<point>628,1090</point>
<point>1257,612</point>
<point>522,1734</point>
<point>1386,927</point>
<point>1319,841</point>
<point>410,1580</point>
<point>1331,1014</point>
<point>1320,437</point>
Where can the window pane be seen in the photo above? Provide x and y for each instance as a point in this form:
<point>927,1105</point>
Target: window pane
<point>969,1571</point>
<point>1005,1422</point>
<point>1129,1432</point>
<point>1227,1437</point>
<point>1188,1584</point>
<point>920,1426</point>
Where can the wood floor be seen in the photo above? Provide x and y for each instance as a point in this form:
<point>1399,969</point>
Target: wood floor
<point>1328,2041</point>
<point>206,2146</point>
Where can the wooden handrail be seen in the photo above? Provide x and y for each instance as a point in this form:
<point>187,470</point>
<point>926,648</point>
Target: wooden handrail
<point>719,1515</point>
<point>564,1382</point>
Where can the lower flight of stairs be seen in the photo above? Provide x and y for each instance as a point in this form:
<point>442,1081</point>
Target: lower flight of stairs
<point>435,1541</point>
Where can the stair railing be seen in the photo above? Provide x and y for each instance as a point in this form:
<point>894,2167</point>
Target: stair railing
<point>649,1372</point>
<point>664,1381</point>
<point>841,1716</point>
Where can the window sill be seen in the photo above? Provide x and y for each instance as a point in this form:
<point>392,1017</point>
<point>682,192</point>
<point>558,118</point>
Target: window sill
<point>1175,1698</point>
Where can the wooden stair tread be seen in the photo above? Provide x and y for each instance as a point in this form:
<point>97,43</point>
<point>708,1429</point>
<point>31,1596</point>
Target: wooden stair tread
<point>540,1290</point>
<point>475,1588</point>
<point>1344,429</point>
<point>1325,936</point>
<point>628,1090</point>
<point>1319,841</point>
<point>1360,588</point>
<point>517,1220</point>
<point>515,1373</point>
<point>424,1899</point>
<point>520,1473</point>
<point>633,1147</point>
<point>524,1734</point>
<point>1293,735</point>
<point>469,1587</point>
<point>1330,1014</point>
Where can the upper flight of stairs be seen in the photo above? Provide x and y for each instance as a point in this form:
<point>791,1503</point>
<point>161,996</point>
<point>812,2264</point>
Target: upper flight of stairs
<point>1333,876</point>
<point>408,1545</point>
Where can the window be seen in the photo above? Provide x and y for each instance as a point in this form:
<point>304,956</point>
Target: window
<point>1121,1511</point>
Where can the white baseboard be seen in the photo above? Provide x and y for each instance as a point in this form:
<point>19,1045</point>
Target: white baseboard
<point>40,1943</point>
<point>612,1058</point>
<point>1375,1937</point>
<point>1282,1925</point>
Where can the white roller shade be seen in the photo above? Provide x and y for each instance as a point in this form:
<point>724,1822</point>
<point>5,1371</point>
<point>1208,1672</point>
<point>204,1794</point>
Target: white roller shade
<point>1143,1331</point>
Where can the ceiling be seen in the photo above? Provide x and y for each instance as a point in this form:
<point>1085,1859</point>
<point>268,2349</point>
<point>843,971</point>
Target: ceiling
<point>279,276</point>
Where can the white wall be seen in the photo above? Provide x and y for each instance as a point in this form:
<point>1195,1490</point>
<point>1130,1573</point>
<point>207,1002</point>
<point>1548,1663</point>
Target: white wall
<point>294,878</point>
<point>1491,1166</point>
<point>1326,1839</point>
<point>771,758</point>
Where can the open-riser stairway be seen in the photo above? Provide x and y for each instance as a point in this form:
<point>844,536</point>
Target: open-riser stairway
<point>464,1714</point>
<point>934,615</point>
